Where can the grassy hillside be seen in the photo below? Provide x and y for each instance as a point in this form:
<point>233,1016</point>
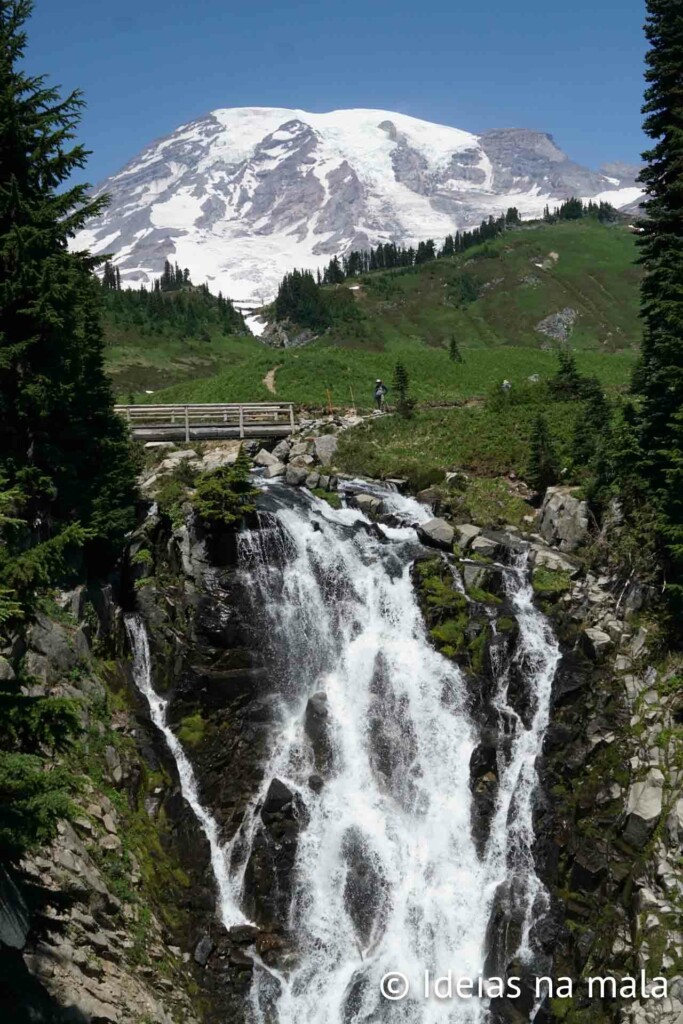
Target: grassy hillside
<point>153,340</point>
<point>323,372</point>
<point>498,293</point>
<point>491,299</point>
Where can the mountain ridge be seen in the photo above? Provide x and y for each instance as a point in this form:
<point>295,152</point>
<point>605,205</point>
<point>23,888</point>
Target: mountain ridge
<point>242,195</point>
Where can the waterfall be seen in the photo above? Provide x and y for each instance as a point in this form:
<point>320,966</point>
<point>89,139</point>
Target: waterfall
<point>142,675</point>
<point>387,876</point>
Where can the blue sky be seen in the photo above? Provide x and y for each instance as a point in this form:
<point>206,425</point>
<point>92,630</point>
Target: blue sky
<point>146,66</point>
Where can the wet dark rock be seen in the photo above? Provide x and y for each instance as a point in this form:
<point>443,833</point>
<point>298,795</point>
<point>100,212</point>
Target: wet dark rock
<point>484,787</point>
<point>504,930</point>
<point>268,877</point>
<point>316,724</point>
<point>392,740</point>
<point>316,783</point>
<point>277,798</point>
<point>365,889</point>
<point>243,934</point>
<point>203,950</point>
<point>574,672</point>
<point>589,867</point>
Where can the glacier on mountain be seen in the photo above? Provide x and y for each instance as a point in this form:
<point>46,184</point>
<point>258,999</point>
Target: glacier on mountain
<point>243,195</point>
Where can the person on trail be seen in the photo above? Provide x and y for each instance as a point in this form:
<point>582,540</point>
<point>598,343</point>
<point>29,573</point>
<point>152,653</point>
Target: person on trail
<point>380,391</point>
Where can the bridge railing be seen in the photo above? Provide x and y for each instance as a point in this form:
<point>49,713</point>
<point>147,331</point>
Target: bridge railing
<point>243,419</point>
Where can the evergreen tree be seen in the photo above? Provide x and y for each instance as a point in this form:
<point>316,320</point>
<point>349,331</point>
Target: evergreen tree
<point>61,441</point>
<point>301,300</point>
<point>401,384</point>
<point>454,353</point>
<point>225,496</point>
<point>448,247</point>
<point>543,467</point>
<point>658,380</point>
<point>567,383</point>
<point>591,435</point>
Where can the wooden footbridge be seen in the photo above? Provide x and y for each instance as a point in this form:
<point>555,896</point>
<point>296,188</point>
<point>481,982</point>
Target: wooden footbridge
<point>208,422</point>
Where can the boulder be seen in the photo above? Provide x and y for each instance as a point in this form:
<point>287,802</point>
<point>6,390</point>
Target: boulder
<point>437,533</point>
<point>326,448</point>
<point>312,481</point>
<point>265,458</point>
<point>296,475</point>
<point>6,671</point>
<point>203,950</point>
<point>184,453</point>
<point>366,503</point>
<point>282,449</point>
<point>596,643</point>
<point>675,823</point>
<point>644,808</point>
<point>543,557</point>
<point>485,546</point>
<point>466,534</point>
<point>563,520</point>
<point>217,457</point>
<point>275,469</point>
<point>173,460</point>
<point>301,461</point>
<point>53,643</point>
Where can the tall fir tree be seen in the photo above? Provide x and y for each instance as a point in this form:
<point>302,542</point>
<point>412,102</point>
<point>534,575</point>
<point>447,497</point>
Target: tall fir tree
<point>401,383</point>
<point>658,380</point>
<point>543,467</point>
<point>61,442</point>
<point>454,353</point>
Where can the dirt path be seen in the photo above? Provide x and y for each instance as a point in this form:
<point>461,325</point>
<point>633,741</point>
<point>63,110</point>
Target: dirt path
<point>269,380</point>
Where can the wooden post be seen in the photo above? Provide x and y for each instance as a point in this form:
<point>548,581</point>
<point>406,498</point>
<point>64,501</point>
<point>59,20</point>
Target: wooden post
<point>291,416</point>
<point>241,422</point>
<point>187,423</point>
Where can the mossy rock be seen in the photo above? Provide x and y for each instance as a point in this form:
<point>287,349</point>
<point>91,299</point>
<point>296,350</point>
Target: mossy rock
<point>437,590</point>
<point>477,650</point>
<point>483,596</point>
<point>550,583</point>
<point>191,730</point>
<point>506,624</point>
<point>331,497</point>
<point>450,634</point>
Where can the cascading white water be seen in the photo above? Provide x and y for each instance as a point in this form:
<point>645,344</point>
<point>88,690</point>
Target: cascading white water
<point>387,875</point>
<point>142,674</point>
<point>343,619</point>
<point>509,850</point>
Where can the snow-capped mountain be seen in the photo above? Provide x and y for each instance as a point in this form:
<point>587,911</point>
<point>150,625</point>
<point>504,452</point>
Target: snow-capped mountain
<point>243,195</point>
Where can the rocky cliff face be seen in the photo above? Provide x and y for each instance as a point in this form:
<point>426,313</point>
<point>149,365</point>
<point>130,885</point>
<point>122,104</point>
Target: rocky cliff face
<point>242,196</point>
<point>103,925</point>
